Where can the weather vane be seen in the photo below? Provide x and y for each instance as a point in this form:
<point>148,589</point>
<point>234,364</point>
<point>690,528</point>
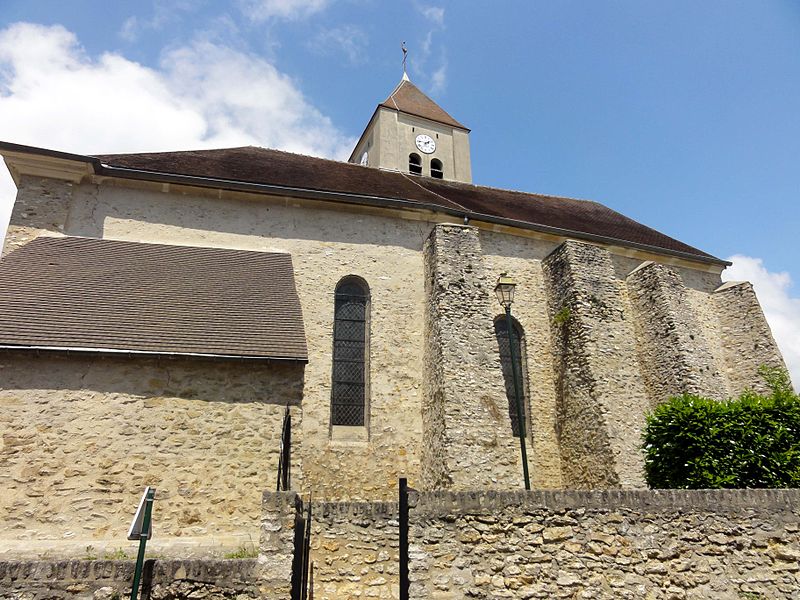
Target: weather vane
<point>405,52</point>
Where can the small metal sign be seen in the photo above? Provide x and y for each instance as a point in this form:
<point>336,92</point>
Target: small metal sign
<point>135,531</point>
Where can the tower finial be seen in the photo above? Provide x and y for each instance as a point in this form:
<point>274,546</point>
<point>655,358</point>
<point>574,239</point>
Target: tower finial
<point>405,52</point>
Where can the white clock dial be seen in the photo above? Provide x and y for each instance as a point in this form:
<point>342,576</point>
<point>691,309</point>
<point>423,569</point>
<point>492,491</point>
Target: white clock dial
<point>426,144</point>
<point>364,158</point>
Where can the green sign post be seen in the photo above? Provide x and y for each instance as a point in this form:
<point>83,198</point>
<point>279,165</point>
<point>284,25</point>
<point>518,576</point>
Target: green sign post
<point>142,530</point>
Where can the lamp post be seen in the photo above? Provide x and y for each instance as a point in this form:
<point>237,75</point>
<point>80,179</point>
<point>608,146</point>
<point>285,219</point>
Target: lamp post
<point>505,295</point>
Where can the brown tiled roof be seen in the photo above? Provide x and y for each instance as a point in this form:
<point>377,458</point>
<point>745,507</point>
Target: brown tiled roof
<point>260,166</point>
<point>89,294</point>
<point>408,98</point>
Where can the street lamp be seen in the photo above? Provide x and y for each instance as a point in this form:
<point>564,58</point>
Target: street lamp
<point>505,295</point>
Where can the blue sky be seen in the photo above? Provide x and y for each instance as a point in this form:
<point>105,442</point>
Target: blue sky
<point>681,114</point>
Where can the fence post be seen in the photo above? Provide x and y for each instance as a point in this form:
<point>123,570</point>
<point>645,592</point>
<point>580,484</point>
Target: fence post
<point>297,559</point>
<point>403,538</point>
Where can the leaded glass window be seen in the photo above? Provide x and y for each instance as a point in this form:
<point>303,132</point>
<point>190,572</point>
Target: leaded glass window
<point>501,331</point>
<point>348,390</point>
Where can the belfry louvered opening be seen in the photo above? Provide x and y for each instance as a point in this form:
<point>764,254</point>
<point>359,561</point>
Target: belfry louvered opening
<point>350,344</point>
<point>501,331</point>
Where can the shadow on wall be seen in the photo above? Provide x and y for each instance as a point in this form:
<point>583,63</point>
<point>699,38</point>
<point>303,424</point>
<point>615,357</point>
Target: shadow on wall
<point>138,377</point>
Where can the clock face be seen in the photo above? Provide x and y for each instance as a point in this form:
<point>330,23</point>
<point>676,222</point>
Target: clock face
<point>426,144</point>
<point>364,158</point>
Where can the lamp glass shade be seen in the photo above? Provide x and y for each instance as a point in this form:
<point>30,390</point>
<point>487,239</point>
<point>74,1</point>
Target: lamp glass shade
<point>505,290</point>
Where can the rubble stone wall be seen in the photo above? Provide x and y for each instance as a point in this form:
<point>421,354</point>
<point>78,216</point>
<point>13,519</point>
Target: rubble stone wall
<point>602,396</point>
<point>80,438</point>
<point>355,550</point>
<point>522,258</point>
<point>709,544</point>
<point>467,440</point>
<point>746,337</point>
<point>41,207</point>
<point>674,353</point>
<point>109,579</point>
<point>326,245</point>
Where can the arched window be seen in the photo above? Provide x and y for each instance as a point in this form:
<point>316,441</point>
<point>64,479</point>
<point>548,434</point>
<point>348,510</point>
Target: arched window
<point>414,164</point>
<point>501,331</point>
<point>350,337</point>
<point>437,170</point>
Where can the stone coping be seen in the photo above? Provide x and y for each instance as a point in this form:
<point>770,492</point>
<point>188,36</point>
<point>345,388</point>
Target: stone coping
<point>200,570</point>
<point>713,501</point>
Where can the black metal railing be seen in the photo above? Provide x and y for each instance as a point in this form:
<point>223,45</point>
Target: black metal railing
<point>404,582</point>
<point>301,563</point>
<point>285,458</point>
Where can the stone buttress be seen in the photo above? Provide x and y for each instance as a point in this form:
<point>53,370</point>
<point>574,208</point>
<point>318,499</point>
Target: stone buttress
<point>466,441</point>
<point>747,340</point>
<point>675,356</point>
<point>602,398</point>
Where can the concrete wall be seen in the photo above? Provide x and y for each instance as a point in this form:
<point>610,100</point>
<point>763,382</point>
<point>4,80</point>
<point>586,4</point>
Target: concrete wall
<point>82,436</point>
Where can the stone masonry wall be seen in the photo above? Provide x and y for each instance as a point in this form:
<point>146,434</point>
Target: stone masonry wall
<point>82,436</point>
<point>355,550</point>
<point>674,353</point>
<point>602,398</point>
<point>276,543</point>
<point>41,206</point>
<point>467,440</point>
<point>522,258</point>
<point>746,337</point>
<point>108,579</point>
<point>649,544</point>
<point>326,245</point>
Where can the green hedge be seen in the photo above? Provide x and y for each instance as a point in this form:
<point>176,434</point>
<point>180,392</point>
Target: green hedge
<point>749,442</point>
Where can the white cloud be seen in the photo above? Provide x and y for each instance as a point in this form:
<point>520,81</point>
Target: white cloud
<point>780,307</point>
<point>203,95</point>
<point>428,53</point>
<point>439,78</point>
<point>434,14</point>
<point>348,40</point>
<point>289,10</point>
<point>164,13</point>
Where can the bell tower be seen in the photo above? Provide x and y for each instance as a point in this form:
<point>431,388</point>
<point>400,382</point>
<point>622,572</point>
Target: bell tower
<point>410,133</point>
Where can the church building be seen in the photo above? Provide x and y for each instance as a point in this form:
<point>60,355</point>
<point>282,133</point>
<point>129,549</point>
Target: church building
<point>160,311</point>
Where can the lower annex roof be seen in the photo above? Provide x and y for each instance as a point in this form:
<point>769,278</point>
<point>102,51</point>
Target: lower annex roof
<point>82,294</point>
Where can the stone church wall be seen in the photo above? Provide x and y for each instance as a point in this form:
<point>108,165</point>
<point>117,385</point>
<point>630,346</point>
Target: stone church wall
<point>326,245</point>
<point>602,398</point>
<point>467,441</point>
<point>41,208</point>
<point>83,436</point>
<point>604,339</point>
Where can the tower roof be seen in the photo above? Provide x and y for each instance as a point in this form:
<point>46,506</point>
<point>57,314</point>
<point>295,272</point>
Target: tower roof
<point>408,98</point>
